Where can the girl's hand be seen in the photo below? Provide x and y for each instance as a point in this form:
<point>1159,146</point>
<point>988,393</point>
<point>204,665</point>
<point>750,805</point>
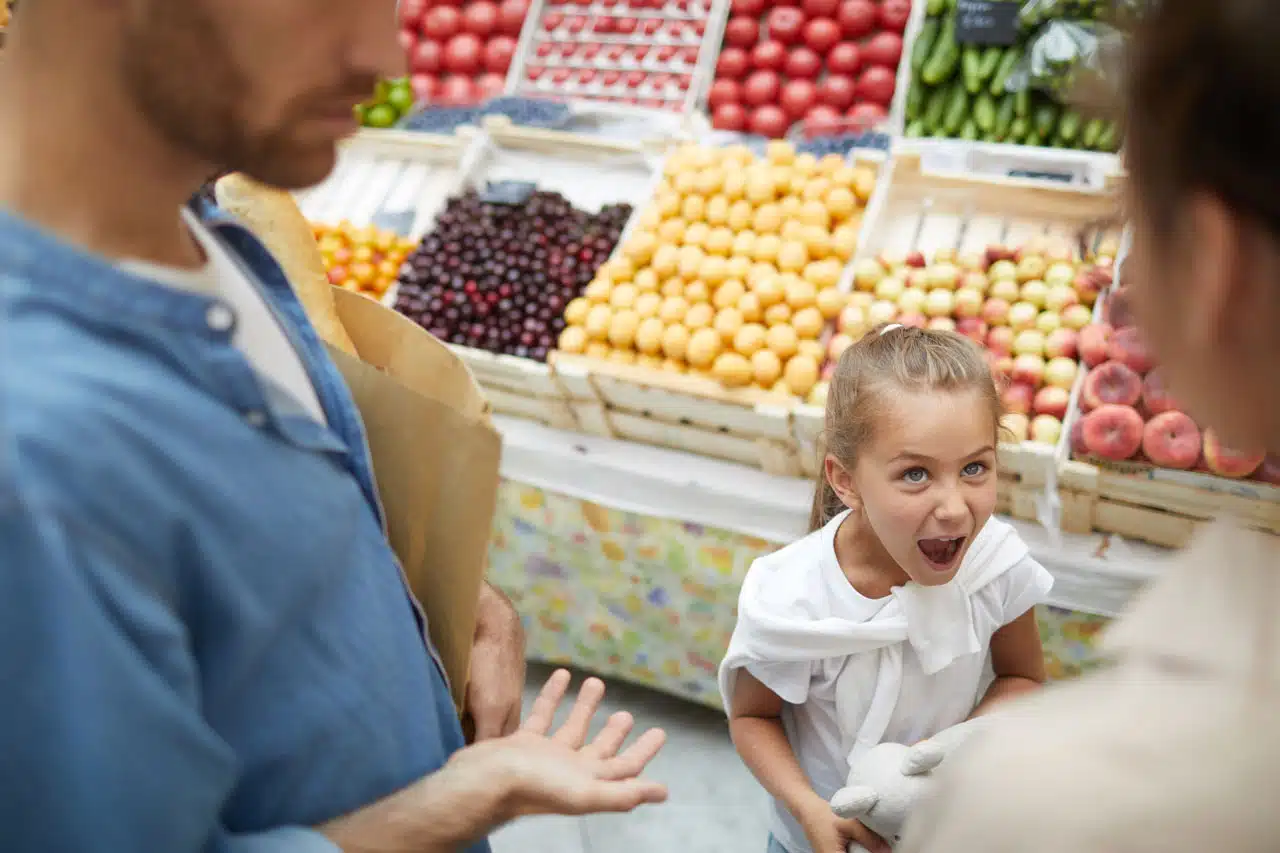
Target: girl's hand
<point>829,833</point>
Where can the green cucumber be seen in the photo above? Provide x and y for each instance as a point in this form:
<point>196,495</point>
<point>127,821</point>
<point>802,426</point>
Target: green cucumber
<point>915,100</point>
<point>984,112</point>
<point>1004,116</point>
<point>935,108</point>
<point>1008,62</point>
<point>944,57</point>
<point>915,129</point>
<point>969,130</point>
<point>971,68</point>
<point>1092,133</point>
<point>1045,119</point>
<point>1022,103</point>
<point>990,62</point>
<point>1019,130</point>
<point>957,109</point>
<point>924,44</point>
<point>1110,138</point>
<point>1069,127</point>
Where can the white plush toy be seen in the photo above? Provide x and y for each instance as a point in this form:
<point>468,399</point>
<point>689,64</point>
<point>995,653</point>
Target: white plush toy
<point>887,781</point>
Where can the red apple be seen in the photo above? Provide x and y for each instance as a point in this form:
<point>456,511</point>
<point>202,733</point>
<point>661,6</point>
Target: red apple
<point>785,24</point>
<point>884,49</point>
<point>820,8</point>
<point>894,15</point>
<point>441,23</point>
<point>996,312</point>
<point>1113,432</point>
<point>511,16</point>
<point>1110,383</point>
<point>857,18</point>
<point>836,91</point>
<point>876,85</point>
<point>498,53</point>
<point>733,63</point>
<point>844,58</point>
<point>1061,343</point>
<point>769,55</point>
<point>1155,393</point>
<point>1171,440</point>
<point>1029,369</point>
<point>462,54</point>
<point>480,18</point>
<point>426,57</point>
<point>798,97</point>
<point>761,88</point>
<point>1018,397</point>
<point>822,34</point>
<point>1051,400</point>
<point>803,63</point>
<point>729,117</point>
<point>972,328</point>
<point>1227,462</point>
<point>742,31</point>
<point>1094,342</point>
<point>1127,346</point>
<point>768,121</point>
<point>1000,339</point>
<point>724,92</point>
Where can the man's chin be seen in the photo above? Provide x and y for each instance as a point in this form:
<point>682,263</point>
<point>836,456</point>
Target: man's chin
<point>300,170</point>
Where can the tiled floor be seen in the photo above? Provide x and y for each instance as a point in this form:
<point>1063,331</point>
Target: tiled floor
<point>715,805</point>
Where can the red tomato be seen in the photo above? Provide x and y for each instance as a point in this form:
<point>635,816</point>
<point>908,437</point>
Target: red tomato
<point>894,15</point>
<point>425,87</point>
<point>724,92</point>
<point>498,53</point>
<point>857,18</point>
<point>753,8</point>
<point>426,57</point>
<point>844,58</point>
<point>821,34</point>
<point>769,55</point>
<point>441,23</point>
<point>883,49</point>
<point>798,97</point>
<point>511,16</point>
<point>820,8</point>
<point>407,39</point>
<point>729,117</point>
<point>462,54</point>
<point>457,91</point>
<point>742,31</point>
<point>876,85</point>
<point>480,18</point>
<point>803,63</point>
<point>822,119</point>
<point>867,115</point>
<point>490,85</point>
<point>761,88</point>
<point>837,91</point>
<point>411,12</point>
<point>769,121</point>
<point>785,24</point>
<point>732,64</point>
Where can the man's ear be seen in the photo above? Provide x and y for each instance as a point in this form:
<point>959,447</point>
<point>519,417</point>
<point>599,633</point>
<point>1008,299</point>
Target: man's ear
<point>842,482</point>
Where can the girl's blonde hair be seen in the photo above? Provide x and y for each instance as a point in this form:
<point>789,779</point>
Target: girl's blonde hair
<point>895,358</point>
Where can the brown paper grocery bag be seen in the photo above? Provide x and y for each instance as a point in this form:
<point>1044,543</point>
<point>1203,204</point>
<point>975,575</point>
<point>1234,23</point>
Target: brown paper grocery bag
<point>435,456</point>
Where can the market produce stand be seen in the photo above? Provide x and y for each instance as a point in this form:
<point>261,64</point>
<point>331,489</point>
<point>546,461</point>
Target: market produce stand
<point>627,560</point>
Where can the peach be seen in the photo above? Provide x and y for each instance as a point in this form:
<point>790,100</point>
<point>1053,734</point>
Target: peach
<point>1000,340</point>
<point>1022,315</point>
<point>1128,347</point>
<point>1155,393</point>
<point>1046,429</point>
<point>1093,343</point>
<point>1110,383</point>
<point>1029,342</point>
<point>1228,462</point>
<point>1087,286</point>
<point>913,319</point>
<point>968,302</point>
<point>1117,311</point>
<point>1001,366</point>
<point>1061,343</point>
<point>1051,400</point>
<point>1029,368</point>
<point>1003,288</point>
<point>1018,397</point>
<point>1078,447</point>
<point>1269,471</point>
<point>1076,317</point>
<point>1061,371</point>
<point>1171,440</point>
<point>1113,432</point>
<point>995,311</point>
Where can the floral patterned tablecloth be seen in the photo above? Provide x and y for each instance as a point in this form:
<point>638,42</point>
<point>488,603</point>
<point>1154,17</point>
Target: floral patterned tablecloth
<point>653,601</point>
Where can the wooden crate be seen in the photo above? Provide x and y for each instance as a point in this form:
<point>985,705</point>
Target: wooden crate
<point>681,412</point>
<point>917,207</point>
<point>1159,506</point>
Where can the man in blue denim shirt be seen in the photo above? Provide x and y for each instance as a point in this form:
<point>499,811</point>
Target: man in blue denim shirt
<point>205,641</point>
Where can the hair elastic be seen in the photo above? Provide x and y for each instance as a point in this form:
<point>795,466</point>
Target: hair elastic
<point>890,328</point>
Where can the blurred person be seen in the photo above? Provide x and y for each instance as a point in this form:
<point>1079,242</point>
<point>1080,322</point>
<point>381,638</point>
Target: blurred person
<point>1173,746</point>
<point>206,643</point>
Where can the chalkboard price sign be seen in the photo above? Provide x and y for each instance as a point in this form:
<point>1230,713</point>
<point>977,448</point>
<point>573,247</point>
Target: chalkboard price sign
<point>987,22</point>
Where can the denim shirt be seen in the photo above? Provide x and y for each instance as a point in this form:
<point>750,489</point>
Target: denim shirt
<point>205,640</point>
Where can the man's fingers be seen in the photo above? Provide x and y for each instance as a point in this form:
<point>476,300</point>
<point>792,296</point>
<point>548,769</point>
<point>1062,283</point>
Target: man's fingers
<point>512,723</point>
<point>635,758</point>
<point>488,722</point>
<point>607,743</point>
<point>856,830</point>
<point>620,796</point>
<point>573,733</point>
<point>543,712</point>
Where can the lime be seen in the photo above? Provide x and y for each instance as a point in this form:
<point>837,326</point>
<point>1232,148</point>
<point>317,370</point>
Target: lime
<point>380,115</point>
<point>400,96</point>
<point>380,91</point>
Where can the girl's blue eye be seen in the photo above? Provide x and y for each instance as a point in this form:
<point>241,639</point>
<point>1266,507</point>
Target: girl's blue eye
<point>915,476</point>
<point>974,469</point>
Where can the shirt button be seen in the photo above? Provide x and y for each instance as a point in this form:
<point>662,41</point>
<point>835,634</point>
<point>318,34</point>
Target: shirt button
<point>256,418</point>
<point>219,317</point>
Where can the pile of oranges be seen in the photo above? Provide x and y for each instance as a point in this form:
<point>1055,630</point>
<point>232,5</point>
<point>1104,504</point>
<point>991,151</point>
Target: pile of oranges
<point>364,259</point>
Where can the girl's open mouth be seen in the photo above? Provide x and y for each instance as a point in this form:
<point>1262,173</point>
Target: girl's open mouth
<point>942,552</point>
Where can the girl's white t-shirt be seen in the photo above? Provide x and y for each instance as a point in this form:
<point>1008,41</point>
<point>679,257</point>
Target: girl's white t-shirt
<point>809,585</point>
